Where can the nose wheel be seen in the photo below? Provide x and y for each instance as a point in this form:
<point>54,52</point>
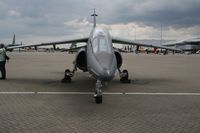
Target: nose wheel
<point>98,92</point>
<point>98,99</point>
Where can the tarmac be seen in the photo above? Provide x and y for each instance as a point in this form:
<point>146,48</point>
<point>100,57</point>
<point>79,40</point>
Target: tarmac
<point>163,97</point>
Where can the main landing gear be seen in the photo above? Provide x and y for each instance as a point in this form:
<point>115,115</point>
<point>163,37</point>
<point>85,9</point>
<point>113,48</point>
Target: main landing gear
<point>124,77</point>
<point>98,92</point>
<point>69,74</point>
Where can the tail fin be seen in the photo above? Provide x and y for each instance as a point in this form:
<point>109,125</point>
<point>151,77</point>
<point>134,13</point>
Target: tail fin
<point>13,41</point>
<point>94,15</point>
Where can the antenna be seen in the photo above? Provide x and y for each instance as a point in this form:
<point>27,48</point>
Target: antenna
<point>13,42</point>
<point>161,34</point>
<point>94,15</point>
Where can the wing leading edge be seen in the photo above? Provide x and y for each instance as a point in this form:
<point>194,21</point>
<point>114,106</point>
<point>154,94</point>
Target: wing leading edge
<point>130,42</point>
<point>79,40</point>
<point>192,41</point>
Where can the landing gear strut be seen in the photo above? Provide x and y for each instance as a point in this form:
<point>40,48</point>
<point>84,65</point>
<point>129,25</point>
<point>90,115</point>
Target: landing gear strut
<point>124,76</point>
<point>98,92</point>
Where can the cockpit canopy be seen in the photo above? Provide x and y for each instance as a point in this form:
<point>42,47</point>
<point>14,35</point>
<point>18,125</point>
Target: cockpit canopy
<point>101,44</point>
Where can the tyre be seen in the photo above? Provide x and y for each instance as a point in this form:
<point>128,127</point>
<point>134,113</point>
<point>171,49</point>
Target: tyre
<point>125,78</point>
<point>67,72</point>
<point>125,72</point>
<point>98,99</point>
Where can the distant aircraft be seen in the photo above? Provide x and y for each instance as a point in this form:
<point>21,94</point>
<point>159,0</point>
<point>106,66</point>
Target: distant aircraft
<point>12,44</point>
<point>98,57</point>
<point>198,52</point>
<point>191,45</point>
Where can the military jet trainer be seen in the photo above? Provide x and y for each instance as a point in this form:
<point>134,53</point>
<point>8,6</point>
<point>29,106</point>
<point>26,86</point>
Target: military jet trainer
<point>98,57</point>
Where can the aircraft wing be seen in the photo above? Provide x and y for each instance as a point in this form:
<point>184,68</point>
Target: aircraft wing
<point>80,40</point>
<point>192,41</point>
<point>120,50</point>
<point>72,49</point>
<point>131,42</point>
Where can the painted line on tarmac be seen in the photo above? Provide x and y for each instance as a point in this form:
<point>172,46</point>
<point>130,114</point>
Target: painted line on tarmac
<point>79,93</point>
<point>66,93</point>
<point>170,94</point>
<point>63,93</point>
<point>104,93</point>
<point>112,93</point>
<point>17,92</point>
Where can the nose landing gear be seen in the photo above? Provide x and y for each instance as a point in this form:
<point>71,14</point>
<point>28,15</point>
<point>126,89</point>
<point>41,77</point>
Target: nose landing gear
<point>98,92</point>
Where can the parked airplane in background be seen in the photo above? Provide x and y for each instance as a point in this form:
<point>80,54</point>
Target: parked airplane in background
<point>98,57</point>
<point>198,52</point>
<point>191,45</point>
<point>12,44</point>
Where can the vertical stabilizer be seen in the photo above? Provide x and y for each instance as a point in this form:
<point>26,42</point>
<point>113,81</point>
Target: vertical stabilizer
<point>13,41</point>
<point>94,16</point>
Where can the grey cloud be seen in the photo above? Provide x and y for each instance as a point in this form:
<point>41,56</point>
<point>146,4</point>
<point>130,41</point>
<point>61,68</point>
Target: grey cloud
<point>43,17</point>
<point>177,13</point>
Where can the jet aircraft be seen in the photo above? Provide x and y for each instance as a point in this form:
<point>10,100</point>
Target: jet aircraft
<point>12,44</point>
<point>98,57</point>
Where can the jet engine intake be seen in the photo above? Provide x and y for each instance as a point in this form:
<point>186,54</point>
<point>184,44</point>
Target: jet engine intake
<point>119,59</point>
<point>81,60</point>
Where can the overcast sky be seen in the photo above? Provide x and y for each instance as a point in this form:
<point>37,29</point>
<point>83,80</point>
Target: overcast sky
<point>36,21</point>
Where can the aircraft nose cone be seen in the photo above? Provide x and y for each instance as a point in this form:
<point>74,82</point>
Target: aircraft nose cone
<point>107,74</point>
<point>107,70</point>
<point>105,60</point>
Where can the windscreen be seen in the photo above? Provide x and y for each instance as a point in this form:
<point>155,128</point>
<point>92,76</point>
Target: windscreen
<point>100,44</point>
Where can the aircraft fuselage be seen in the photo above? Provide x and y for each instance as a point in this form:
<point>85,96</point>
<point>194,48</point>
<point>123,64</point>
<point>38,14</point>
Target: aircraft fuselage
<point>101,60</point>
